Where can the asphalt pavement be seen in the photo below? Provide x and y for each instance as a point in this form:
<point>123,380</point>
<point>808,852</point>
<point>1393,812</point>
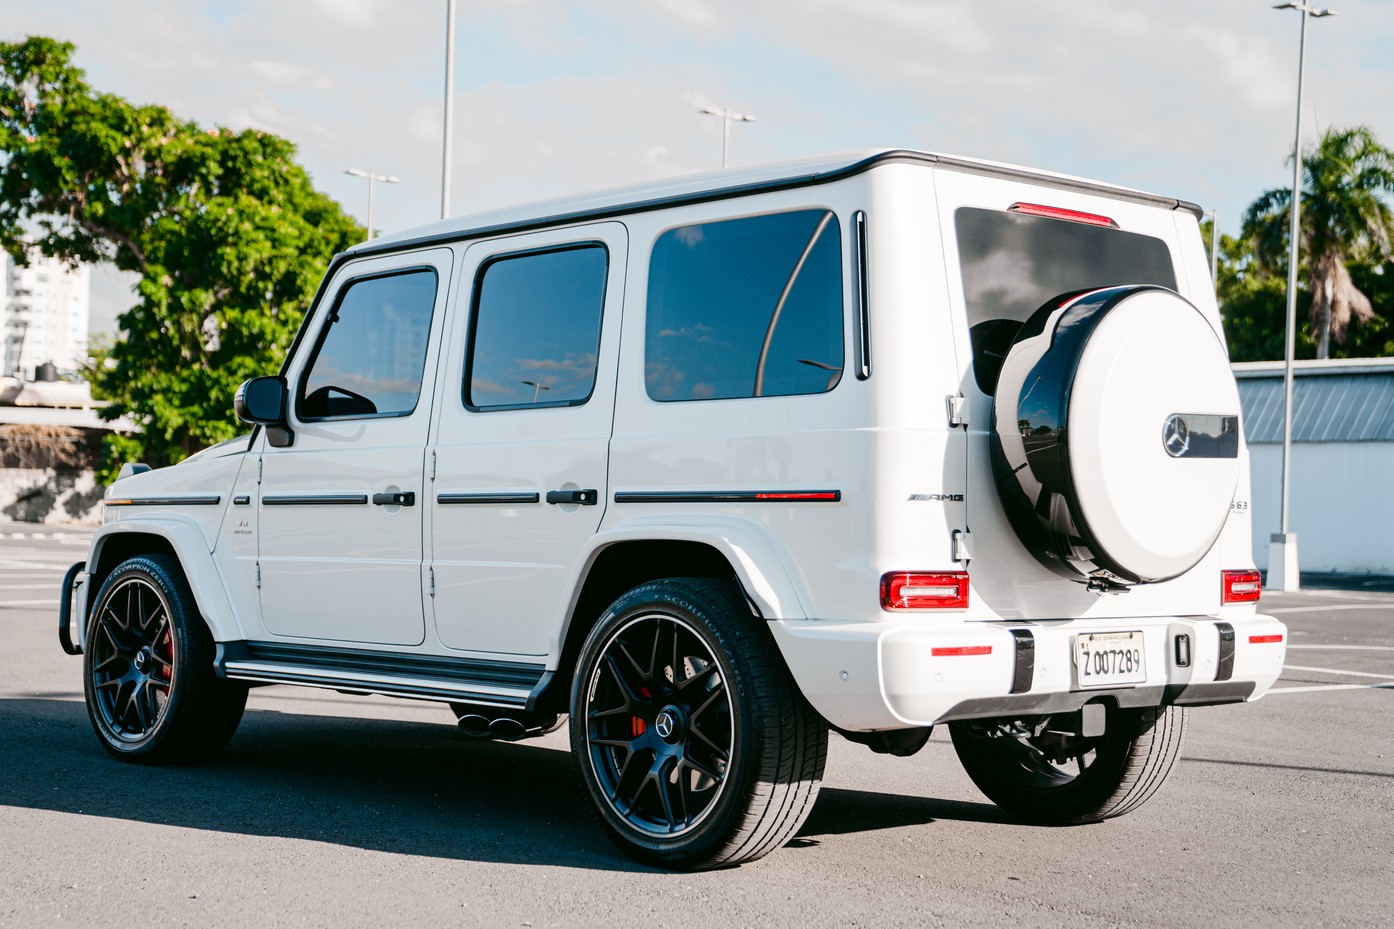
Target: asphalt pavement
<point>339,811</point>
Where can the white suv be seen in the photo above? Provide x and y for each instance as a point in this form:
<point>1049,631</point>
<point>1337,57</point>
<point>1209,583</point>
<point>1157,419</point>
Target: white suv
<point>713,465</point>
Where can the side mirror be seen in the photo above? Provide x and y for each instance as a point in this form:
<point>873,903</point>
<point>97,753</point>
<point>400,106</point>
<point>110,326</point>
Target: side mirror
<point>261,401</point>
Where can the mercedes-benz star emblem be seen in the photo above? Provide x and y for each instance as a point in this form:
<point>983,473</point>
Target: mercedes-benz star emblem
<point>1176,436</point>
<point>664,724</point>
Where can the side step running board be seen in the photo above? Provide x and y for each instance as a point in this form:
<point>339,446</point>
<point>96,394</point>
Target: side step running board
<point>395,674</point>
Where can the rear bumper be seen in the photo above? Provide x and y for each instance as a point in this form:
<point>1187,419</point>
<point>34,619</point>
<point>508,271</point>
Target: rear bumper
<point>870,676</point>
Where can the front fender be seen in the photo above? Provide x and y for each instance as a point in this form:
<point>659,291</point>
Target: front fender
<point>182,535</point>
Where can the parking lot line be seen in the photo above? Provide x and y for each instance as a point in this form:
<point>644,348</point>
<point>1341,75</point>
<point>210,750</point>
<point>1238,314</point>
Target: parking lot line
<point>1316,687</point>
<point>1293,667</point>
<point>49,601</point>
<point>1328,609</point>
<point>1353,648</point>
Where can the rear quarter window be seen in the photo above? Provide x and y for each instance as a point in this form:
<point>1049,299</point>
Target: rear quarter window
<point>1013,264</point>
<point>748,307</point>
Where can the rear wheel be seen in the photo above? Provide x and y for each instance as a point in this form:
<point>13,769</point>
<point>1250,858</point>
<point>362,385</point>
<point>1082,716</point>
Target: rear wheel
<point>1061,779</point>
<point>152,694</point>
<point>693,744</point>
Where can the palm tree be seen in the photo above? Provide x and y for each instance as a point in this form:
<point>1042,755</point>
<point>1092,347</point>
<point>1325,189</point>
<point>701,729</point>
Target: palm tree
<point>1344,219</point>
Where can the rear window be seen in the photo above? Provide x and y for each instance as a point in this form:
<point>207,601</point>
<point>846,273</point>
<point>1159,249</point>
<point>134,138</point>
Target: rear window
<point>1013,264</point>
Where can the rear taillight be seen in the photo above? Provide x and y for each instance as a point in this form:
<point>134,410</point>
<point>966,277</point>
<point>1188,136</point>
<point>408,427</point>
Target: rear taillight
<point>1059,212</point>
<point>914,590</point>
<point>1240,586</point>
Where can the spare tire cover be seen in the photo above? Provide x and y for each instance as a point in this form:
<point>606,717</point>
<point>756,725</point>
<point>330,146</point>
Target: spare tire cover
<point>1115,440</point>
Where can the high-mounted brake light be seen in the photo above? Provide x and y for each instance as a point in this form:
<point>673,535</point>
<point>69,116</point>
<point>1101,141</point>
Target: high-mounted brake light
<point>1240,586</point>
<point>1059,212</point>
<point>913,590</point>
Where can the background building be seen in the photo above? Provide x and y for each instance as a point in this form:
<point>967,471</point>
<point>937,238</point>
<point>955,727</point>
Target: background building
<point>44,315</point>
<point>1342,488</point>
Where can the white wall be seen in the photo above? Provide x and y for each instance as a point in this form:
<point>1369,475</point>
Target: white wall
<point>1341,501</point>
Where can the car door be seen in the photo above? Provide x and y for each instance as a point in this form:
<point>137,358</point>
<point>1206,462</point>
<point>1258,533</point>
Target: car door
<point>523,433</point>
<point>340,508</point>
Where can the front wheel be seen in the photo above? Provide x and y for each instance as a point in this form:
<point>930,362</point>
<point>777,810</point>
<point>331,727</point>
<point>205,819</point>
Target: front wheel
<point>152,693</point>
<point>1058,778</point>
<point>694,746</point>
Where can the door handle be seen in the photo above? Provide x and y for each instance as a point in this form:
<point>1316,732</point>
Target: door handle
<point>400,498</point>
<point>583,497</point>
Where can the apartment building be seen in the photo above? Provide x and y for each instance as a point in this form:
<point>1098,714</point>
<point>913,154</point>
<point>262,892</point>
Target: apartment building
<point>44,315</point>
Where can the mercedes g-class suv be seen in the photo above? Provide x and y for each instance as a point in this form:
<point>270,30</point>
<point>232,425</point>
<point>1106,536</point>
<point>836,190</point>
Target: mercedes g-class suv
<point>711,466</point>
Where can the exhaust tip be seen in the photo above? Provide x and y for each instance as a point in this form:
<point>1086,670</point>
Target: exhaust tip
<point>475,726</point>
<point>509,730</point>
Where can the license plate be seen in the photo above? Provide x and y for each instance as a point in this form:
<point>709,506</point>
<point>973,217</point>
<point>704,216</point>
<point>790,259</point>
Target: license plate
<point>1108,659</point>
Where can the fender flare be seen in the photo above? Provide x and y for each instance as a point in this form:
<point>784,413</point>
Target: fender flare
<point>759,563</point>
<point>186,537</point>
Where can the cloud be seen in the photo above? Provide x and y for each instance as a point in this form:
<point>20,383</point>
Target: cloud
<point>285,72</point>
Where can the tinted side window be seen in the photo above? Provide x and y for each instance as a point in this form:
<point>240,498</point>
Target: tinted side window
<point>370,357</point>
<point>536,329</point>
<point>746,307</point>
<point>1013,263</point>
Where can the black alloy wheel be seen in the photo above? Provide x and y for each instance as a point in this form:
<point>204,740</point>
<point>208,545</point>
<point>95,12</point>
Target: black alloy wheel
<point>692,742</point>
<point>152,692</point>
<point>132,648</point>
<point>1062,779</point>
<point>660,729</point>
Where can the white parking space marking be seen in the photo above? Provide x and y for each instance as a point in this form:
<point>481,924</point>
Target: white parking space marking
<point>50,601</point>
<point>1328,609</point>
<point>1352,648</point>
<point>1293,667</point>
<point>26,587</point>
<point>1317,687</point>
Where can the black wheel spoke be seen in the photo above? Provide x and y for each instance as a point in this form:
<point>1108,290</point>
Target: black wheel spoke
<point>701,768</point>
<point>631,696</point>
<point>658,777</point>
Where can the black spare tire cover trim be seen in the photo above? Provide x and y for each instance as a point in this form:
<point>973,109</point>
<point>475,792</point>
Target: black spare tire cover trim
<point>1044,429</point>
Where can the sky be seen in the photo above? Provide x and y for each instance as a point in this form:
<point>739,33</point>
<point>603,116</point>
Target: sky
<point>1189,98</point>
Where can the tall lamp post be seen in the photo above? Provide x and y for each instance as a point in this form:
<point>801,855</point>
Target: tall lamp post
<point>372,176</point>
<point>728,116</point>
<point>1282,545</point>
<point>449,108</point>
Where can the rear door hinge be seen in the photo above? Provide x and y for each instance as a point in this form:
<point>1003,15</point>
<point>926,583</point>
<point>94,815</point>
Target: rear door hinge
<point>260,462</point>
<point>258,575</point>
<point>431,581</point>
<point>433,464</point>
<point>958,409</point>
<point>962,546</point>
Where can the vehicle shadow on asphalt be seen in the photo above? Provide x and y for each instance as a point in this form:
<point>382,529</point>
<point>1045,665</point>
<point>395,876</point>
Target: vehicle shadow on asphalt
<point>411,788</point>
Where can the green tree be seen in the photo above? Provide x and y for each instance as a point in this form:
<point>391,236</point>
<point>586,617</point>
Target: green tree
<point>1345,221</point>
<point>1252,304</point>
<point>225,229</point>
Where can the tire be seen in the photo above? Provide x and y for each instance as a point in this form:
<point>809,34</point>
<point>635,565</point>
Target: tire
<point>152,694</point>
<point>1115,773</point>
<point>1115,436</point>
<point>692,742</point>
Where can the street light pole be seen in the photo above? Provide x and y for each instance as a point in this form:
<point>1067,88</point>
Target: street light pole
<point>372,176</point>
<point>1282,546</point>
<point>449,107</point>
<point>728,116</point>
